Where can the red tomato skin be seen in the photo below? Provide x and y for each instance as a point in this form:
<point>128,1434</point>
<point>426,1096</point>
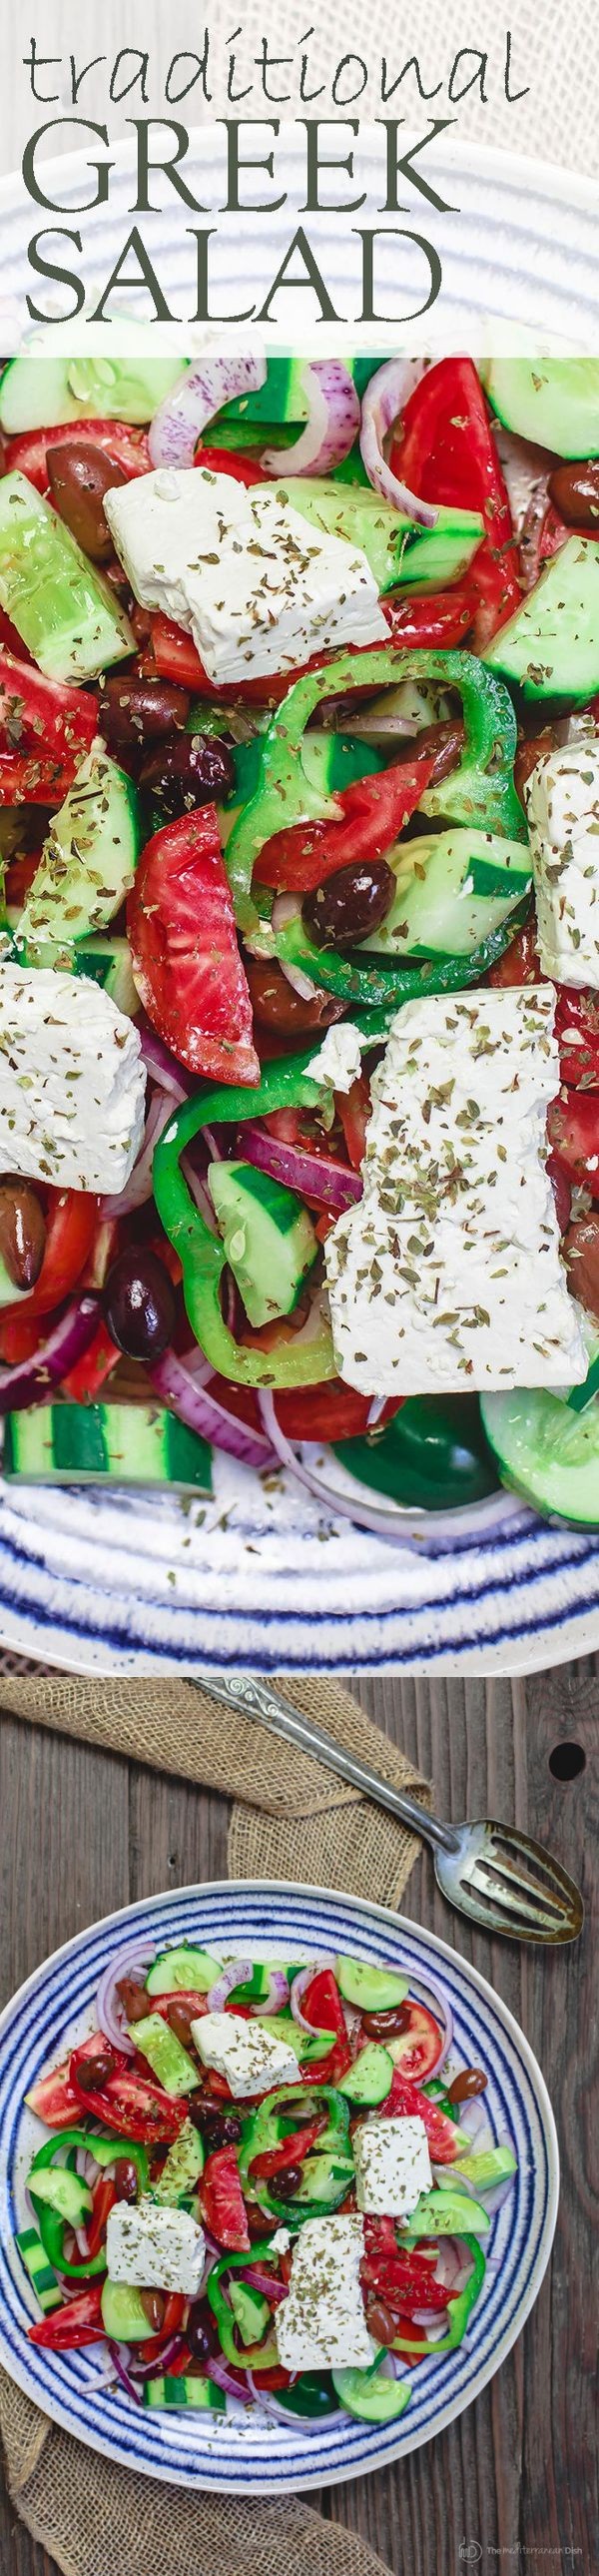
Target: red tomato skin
<point>329,1412</point>
<point>447,453</point>
<point>127,2102</point>
<point>229,460</point>
<point>28,451</point>
<point>223,2203</point>
<point>419,2042</point>
<point>55,2100</point>
<point>188,969</point>
<point>79,2322</point>
<point>577,1029</point>
<point>441,620</point>
<point>72,1220</point>
<point>405,2099</point>
<point>372,813</point>
<point>573,1130</point>
<point>322,2005</point>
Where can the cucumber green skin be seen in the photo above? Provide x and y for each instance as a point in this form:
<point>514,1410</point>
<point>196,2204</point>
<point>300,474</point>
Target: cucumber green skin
<point>546,1453</point>
<point>198,2393</point>
<point>372,2399</point>
<point>370,1989</point>
<point>394,549</point>
<point>430,915</point>
<point>87,865</point>
<point>169,2062</point>
<point>553,401</point>
<point>123,2317</point>
<point>282,398</point>
<point>191,1971</point>
<point>88,1444</point>
<point>371,2076</point>
<point>62,2191</point>
<point>447,2213</point>
<point>551,645</point>
<point>39,2270</point>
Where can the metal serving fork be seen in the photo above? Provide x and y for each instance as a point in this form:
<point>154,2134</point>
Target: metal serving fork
<point>499,1877</point>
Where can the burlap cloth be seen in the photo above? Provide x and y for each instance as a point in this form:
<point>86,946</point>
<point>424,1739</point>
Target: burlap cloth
<point>290,1819</point>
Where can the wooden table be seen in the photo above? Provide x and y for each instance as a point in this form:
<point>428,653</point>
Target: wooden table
<point>83,1832</point>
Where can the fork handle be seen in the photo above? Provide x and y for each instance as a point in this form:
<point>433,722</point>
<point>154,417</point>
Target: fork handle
<point>257,1699</point>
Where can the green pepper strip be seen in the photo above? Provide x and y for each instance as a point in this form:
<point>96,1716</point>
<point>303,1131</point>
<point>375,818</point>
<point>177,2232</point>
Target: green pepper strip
<point>285,1083</point>
<point>391,984</point>
<point>262,2131</point>
<point>481,791</point>
<point>253,2356</point>
<point>459,2309</point>
<point>52,2227</point>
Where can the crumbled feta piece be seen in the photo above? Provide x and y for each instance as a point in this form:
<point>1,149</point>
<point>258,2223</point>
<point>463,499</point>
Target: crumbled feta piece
<point>321,2325</point>
<point>72,1081</point>
<point>280,2242</point>
<point>447,1273</point>
<point>154,2248</point>
<point>562,804</point>
<point>258,588</point>
<point>339,1058</point>
<point>392,2165</point>
<point>247,2053</point>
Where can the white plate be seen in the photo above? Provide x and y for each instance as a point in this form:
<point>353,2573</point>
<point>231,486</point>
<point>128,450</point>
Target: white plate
<point>108,1581</point>
<point>54,2009</point>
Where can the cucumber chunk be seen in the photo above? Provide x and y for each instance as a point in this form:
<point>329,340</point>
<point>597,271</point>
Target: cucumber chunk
<point>371,2076</point>
<point>35,394</point>
<point>123,2314</point>
<point>268,1236</point>
<point>108,962</point>
<point>128,388</point>
<point>546,1452</point>
<point>551,645</point>
<point>169,2062</point>
<point>192,1971</point>
<point>184,2164</point>
<point>39,2270</point>
<point>251,2311</point>
<point>453,889</point>
<point>86,1444</point>
<point>62,607</point>
<point>370,1989</point>
<point>553,401</point>
<point>493,2165</point>
<point>62,2191</point>
<point>395,549</point>
<point>373,2399</point>
<point>87,863</point>
<point>447,2213</point>
<point>202,2394</point>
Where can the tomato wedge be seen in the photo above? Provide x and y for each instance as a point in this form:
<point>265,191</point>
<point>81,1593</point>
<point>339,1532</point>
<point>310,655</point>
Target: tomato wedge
<point>448,453</point>
<point>577,1028</point>
<point>104,2198</point>
<point>373,813</point>
<point>186,960</point>
<point>46,729</point>
<point>126,2102</point>
<point>573,1130</point>
<point>230,460</point>
<point>55,2100</point>
<point>28,451</point>
<point>440,619</point>
<point>222,2201</point>
<point>321,2003</point>
<point>290,2152</point>
<point>329,1412</point>
<point>443,2135</point>
<point>79,2322</point>
<point>416,2047</point>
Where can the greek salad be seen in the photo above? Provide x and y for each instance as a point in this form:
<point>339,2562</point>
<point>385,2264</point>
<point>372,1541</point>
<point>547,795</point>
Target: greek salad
<point>265,2185</point>
<point>299,966</point>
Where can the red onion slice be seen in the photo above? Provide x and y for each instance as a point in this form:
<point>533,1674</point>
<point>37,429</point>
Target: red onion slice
<point>263,2281</point>
<point>161,2361</point>
<point>331,427</point>
<point>316,1174</point>
<point>116,2354</point>
<point>219,376</point>
<point>382,405</point>
<point>31,1382</point>
<point>298,1988</point>
<point>164,1067</point>
<point>186,1394</point>
<point>365,1515</point>
<point>237,1973</point>
<point>139,1188</point>
<point>217,2370</point>
<point>109,2009</point>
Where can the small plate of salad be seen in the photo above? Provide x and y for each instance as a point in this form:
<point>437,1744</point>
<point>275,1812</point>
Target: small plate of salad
<point>279,2185</point>
<point>299,976</point>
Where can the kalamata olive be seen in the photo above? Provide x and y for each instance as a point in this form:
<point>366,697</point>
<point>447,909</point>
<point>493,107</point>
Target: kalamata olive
<point>79,476</point>
<point>201,2332</point>
<point>180,2017</point>
<point>380,2321</point>
<point>574,491</point>
<point>581,1254</point>
<point>219,2128</point>
<point>530,750</point>
<point>467,2085</point>
<point>139,1303</point>
<point>134,1998</point>
<point>22,1232</point>
<point>193,770</point>
<point>126,2182</point>
<point>95,2072</point>
<point>350,904</point>
<point>154,2302</point>
<point>276,1006</point>
<point>133,711</point>
<point>387,2025</point>
<point>287,2183</point>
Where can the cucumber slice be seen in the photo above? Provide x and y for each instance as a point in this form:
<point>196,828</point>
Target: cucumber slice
<point>554,401</point>
<point>447,2213</point>
<point>84,1444</point>
<point>123,2315</point>
<point>129,388</point>
<point>192,1971</point>
<point>394,549</point>
<point>373,2399</point>
<point>551,645</point>
<point>62,607</point>
<point>453,889</point>
<point>62,2191</point>
<point>493,2165</point>
<point>269,1238</point>
<point>108,962</point>
<point>34,394</point>
<point>546,1452</point>
<point>370,1989</point>
<point>251,2311</point>
<point>371,2076</point>
<point>199,2393</point>
<point>87,864</point>
<point>39,2270</point>
<point>184,2164</point>
<point>166,2057</point>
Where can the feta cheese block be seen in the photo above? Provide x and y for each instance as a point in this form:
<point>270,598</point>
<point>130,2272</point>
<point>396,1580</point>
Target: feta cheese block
<point>447,1274</point>
<point>562,805</point>
<point>257,588</point>
<point>339,1058</point>
<point>72,1081</point>
<point>392,2165</point>
<point>154,2248</point>
<point>247,2053</point>
<point>321,2325</point>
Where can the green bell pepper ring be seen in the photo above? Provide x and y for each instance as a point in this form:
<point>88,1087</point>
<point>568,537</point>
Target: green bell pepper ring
<point>256,2356</point>
<point>51,2226</point>
<point>263,2130</point>
<point>378,983</point>
<point>458,2310</point>
<point>481,791</point>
